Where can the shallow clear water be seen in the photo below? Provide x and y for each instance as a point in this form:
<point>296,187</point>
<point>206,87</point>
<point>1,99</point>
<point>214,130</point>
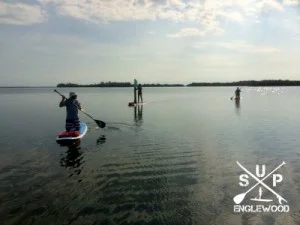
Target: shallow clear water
<point>172,161</point>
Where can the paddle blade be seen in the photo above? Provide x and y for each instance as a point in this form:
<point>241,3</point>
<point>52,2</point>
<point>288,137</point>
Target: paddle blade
<point>100,123</point>
<point>239,198</point>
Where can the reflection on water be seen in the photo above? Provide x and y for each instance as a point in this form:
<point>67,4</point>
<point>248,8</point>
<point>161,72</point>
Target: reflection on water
<point>138,115</point>
<point>72,159</point>
<point>269,90</point>
<point>238,107</point>
<point>118,127</point>
<point>101,140</point>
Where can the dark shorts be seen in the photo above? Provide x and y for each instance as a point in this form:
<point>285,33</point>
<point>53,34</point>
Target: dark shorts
<point>72,125</point>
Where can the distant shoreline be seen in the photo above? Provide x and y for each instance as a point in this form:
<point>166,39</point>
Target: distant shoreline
<point>249,83</point>
<point>117,84</point>
<point>28,87</point>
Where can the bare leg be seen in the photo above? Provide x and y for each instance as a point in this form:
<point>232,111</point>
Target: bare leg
<point>140,97</point>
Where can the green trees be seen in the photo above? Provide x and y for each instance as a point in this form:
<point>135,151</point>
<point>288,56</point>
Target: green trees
<point>116,84</point>
<point>250,83</point>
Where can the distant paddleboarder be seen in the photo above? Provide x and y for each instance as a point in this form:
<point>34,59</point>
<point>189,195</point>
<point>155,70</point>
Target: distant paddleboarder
<point>72,105</point>
<point>140,93</point>
<point>139,89</point>
<point>237,93</point>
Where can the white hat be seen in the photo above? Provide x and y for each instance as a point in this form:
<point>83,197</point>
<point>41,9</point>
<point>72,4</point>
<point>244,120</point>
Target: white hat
<point>71,94</point>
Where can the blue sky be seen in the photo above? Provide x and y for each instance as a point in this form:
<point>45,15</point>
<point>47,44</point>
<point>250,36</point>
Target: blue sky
<point>45,42</point>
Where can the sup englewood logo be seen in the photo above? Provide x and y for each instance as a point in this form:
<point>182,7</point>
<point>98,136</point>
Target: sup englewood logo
<point>260,204</point>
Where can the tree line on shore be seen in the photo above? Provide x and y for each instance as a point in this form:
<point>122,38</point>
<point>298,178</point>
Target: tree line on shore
<point>102,84</point>
<point>250,83</point>
<point>194,84</point>
<point>116,84</point>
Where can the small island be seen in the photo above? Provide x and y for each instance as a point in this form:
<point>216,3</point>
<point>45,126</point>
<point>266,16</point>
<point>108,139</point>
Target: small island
<point>116,84</point>
<point>249,83</point>
<point>102,84</point>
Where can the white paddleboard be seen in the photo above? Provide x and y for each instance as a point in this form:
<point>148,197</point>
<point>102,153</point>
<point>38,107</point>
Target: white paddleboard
<point>82,131</point>
<point>144,103</point>
<point>137,104</point>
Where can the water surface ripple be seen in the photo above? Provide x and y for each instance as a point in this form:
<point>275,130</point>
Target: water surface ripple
<point>172,161</point>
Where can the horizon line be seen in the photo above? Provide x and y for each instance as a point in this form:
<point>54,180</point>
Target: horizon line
<point>186,85</point>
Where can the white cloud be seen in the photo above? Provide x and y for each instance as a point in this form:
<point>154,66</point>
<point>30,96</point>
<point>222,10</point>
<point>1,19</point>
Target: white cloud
<point>206,13</point>
<point>274,4</point>
<point>233,16</point>
<point>240,46</point>
<point>291,2</point>
<point>187,32</point>
<point>20,14</point>
<point>177,3</point>
<point>115,10</point>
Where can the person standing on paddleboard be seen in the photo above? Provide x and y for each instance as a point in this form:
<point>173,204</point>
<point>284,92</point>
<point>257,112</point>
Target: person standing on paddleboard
<point>140,94</point>
<point>72,105</point>
<point>237,93</point>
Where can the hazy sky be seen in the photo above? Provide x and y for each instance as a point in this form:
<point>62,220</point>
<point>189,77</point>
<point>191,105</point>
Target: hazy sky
<point>45,42</point>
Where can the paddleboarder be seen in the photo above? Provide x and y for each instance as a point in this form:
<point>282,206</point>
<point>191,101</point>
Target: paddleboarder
<point>72,105</point>
<point>140,94</point>
<point>237,93</point>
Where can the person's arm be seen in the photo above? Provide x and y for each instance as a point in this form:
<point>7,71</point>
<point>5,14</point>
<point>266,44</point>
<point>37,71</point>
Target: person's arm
<point>62,102</point>
<point>79,106</point>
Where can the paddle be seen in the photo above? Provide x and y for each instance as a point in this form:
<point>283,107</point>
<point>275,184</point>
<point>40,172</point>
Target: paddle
<point>100,123</point>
